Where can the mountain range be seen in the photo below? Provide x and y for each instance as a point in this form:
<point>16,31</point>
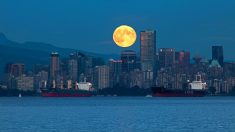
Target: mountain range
<point>31,53</point>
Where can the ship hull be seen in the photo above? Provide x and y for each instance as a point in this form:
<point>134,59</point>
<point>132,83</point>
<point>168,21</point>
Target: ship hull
<point>161,92</point>
<point>178,95</point>
<point>66,93</point>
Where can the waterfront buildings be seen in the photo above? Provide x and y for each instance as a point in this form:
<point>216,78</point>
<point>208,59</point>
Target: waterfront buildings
<point>25,83</point>
<point>167,67</point>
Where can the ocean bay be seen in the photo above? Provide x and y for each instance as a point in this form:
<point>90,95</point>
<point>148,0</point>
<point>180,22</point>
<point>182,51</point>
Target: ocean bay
<point>117,114</point>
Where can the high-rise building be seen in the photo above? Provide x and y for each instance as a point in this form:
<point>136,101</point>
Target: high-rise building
<point>40,80</point>
<point>136,78</point>
<point>88,68</point>
<point>14,69</point>
<point>25,83</point>
<point>124,80</point>
<point>148,56</point>
<point>128,58</point>
<point>73,67</point>
<point>115,70</point>
<point>217,54</point>
<point>101,77</point>
<point>166,57</point>
<point>54,66</point>
<point>182,58</point>
<point>215,71</point>
<point>81,65</point>
<point>81,62</point>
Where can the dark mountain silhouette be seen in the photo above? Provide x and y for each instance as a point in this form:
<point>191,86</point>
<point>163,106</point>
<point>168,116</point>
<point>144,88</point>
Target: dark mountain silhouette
<point>31,53</point>
<point>3,38</point>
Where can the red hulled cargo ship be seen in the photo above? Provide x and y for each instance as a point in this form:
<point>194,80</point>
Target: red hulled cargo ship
<point>82,89</point>
<point>55,92</point>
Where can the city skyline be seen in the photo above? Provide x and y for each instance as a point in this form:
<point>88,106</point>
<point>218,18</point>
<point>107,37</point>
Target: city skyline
<point>115,65</point>
<point>165,67</point>
<point>125,72</point>
<point>143,65</point>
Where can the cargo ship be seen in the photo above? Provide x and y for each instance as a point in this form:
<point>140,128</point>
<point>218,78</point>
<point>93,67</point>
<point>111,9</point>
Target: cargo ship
<point>196,88</point>
<point>66,93</point>
<point>83,89</point>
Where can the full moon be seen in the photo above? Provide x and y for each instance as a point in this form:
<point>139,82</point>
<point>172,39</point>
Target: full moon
<point>124,36</point>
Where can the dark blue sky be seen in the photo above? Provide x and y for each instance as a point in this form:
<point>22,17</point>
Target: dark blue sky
<point>192,25</point>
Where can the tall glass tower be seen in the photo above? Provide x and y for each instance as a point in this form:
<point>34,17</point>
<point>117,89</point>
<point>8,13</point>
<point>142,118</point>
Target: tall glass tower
<point>54,66</point>
<point>217,54</point>
<point>148,56</point>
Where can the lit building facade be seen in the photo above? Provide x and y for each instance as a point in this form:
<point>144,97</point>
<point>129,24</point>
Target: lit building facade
<point>148,57</point>
<point>166,57</point>
<point>25,83</point>
<point>101,77</point>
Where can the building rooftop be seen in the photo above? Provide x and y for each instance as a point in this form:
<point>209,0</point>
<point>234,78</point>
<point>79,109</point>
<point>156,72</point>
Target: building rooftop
<point>214,63</point>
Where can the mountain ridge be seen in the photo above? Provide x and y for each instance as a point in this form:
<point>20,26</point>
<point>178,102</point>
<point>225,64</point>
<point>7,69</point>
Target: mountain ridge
<point>31,53</point>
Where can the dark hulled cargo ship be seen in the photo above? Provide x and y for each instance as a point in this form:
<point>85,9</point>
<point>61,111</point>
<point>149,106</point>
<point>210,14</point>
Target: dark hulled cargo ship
<point>162,92</point>
<point>196,88</point>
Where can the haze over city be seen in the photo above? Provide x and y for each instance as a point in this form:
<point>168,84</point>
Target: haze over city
<point>193,25</point>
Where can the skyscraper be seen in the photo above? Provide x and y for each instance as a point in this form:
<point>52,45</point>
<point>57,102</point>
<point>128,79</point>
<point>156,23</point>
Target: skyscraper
<point>217,54</point>
<point>54,66</point>
<point>182,58</point>
<point>166,57</point>
<point>147,56</point>
<point>14,70</point>
<point>25,83</point>
<point>128,58</point>
<point>73,67</point>
<point>101,77</point>
<point>81,62</point>
<point>115,70</point>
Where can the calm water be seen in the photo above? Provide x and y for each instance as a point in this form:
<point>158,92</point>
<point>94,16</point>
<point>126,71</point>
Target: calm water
<point>118,114</point>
